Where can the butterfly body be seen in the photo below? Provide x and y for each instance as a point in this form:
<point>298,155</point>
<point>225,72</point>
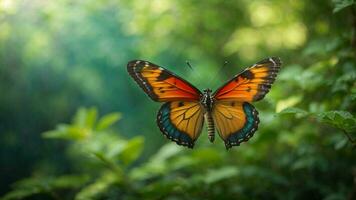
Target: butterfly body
<point>227,110</point>
<point>207,102</point>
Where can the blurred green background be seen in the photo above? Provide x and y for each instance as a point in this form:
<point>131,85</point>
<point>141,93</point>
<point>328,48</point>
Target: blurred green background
<point>74,125</point>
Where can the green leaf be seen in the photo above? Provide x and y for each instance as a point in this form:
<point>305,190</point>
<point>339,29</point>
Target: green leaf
<point>288,102</point>
<point>109,163</point>
<point>132,150</point>
<point>167,151</point>
<point>70,181</point>
<point>85,117</point>
<point>108,120</point>
<point>293,110</point>
<point>40,185</point>
<point>341,143</point>
<point>315,47</point>
<point>220,174</point>
<point>182,162</point>
<point>24,188</point>
<point>57,133</point>
<point>341,4</point>
<point>67,132</point>
<point>353,96</point>
<point>340,119</point>
<point>20,194</point>
<point>100,186</point>
<point>159,189</point>
<point>80,117</point>
<point>91,117</point>
<point>158,164</point>
<point>303,163</point>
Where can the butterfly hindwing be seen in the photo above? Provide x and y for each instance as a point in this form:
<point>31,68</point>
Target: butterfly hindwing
<point>181,121</point>
<point>252,84</point>
<point>161,84</point>
<point>235,121</point>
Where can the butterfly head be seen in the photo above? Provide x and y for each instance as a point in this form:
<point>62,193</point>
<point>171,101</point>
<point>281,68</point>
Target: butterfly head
<point>207,91</point>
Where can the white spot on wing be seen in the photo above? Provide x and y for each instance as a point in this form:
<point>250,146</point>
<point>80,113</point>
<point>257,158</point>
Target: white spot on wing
<point>274,63</point>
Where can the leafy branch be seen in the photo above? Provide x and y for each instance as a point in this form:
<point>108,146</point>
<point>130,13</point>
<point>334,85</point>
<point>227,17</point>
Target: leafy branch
<point>342,120</point>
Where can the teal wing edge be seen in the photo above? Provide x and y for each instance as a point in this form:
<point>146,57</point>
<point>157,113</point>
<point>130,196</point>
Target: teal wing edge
<point>250,127</point>
<point>170,130</point>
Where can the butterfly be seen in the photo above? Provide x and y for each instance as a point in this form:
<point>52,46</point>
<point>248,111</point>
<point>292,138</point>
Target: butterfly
<point>185,108</point>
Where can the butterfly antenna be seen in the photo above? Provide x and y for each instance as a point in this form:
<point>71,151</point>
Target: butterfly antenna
<point>190,66</point>
<point>219,71</point>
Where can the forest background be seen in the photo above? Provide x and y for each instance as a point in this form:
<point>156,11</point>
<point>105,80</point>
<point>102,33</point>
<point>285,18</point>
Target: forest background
<point>74,125</point>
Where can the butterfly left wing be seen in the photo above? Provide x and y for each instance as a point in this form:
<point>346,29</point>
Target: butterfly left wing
<point>252,84</point>
<point>160,84</point>
<point>181,121</point>
<point>235,121</point>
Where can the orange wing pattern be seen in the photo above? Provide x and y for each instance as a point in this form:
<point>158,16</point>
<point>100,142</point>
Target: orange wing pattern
<point>252,84</point>
<point>235,121</point>
<point>181,121</point>
<point>161,84</point>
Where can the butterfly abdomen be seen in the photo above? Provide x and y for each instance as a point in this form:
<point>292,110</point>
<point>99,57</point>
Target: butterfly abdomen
<point>211,126</point>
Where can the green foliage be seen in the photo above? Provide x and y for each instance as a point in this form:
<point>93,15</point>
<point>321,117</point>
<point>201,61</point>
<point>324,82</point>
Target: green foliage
<point>57,56</point>
<point>221,174</point>
<point>339,119</point>
<point>38,185</point>
<point>111,154</point>
<point>172,172</point>
<point>341,4</point>
<point>84,123</point>
<point>292,110</point>
<point>107,121</point>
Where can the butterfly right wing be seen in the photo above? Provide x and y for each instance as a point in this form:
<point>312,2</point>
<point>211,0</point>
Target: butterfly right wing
<point>181,121</point>
<point>252,84</point>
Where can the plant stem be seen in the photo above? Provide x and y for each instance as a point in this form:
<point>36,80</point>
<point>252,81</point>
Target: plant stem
<point>353,142</point>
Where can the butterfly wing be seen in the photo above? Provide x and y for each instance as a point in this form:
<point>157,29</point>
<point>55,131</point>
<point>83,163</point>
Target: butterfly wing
<point>252,84</point>
<point>161,84</point>
<point>235,121</point>
<point>181,121</point>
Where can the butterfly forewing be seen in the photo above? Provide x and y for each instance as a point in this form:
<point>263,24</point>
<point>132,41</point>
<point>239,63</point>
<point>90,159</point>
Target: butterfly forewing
<point>252,84</point>
<point>161,84</point>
